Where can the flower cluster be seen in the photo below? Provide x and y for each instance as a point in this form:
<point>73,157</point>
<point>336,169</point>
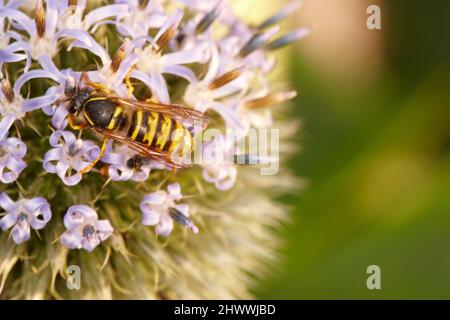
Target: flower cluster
<point>196,53</point>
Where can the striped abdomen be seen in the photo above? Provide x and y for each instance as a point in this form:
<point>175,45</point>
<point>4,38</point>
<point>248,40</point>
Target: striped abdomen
<point>159,131</point>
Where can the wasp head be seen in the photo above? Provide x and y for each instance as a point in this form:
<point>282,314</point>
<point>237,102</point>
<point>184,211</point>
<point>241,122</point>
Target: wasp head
<point>76,95</point>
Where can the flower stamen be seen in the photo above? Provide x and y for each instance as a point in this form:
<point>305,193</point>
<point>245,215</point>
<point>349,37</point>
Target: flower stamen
<point>7,90</point>
<point>40,19</point>
<point>226,78</point>
<point>271,99</point>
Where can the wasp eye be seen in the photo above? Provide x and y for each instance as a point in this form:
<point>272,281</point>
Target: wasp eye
<point>73,107</point>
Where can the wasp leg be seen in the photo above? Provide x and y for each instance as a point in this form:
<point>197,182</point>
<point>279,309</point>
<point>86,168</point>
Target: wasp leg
<point>130,87</point>
<point>93,163</point>
<point>73,125</point>
<point>128,83</point>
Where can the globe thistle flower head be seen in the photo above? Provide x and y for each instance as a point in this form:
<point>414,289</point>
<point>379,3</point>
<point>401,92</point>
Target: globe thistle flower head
<point>124,128</point>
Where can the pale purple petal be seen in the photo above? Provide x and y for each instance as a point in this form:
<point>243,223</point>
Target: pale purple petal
<point>51,17</point>
<point>39,211</point>
<point>76,215</point>
<point>125,67</point>
<point>20,45</point>
<point>6,203</point>
<point>141,175</point>
<point>158,87</point>
<point>174,190</point>
<point>55,137</point>
<point>70,180</point>
<point>113,158</point>
<point>90,244</point>
<point>5,124</point>
<point>104,229</point>
<point>124,30</point>
<point>47,64</point>
<point>141,76</point>
<point>165,225</point>
<point>59,119</point>
<point>23,20</point>
<point>84,40</point>
<point>71,240</point>
<point>19,148</point>
<point>229,181</point>
<point>79,35</point>
<point>39,102</point>
<point>155,199</point>
<point>229,116</point>
<point>16,166</point>
<point>90,150</point>
<point>52,155</point>
<point>150,217</point>
<point>9,57</point>
<point>79,164</point>
<point>214,66</point>
<point>21,233</point>
<point>181,71</point>
<point>120,173</point>
<point>209,176</point>
<point>14,3</point>
<point>61,170</point>
<point>182,57</point>
<point>33,74</point>
<point>8,221</point>
<point>105,12</point>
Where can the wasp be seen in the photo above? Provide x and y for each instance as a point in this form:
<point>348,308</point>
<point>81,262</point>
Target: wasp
<point>156,131</point>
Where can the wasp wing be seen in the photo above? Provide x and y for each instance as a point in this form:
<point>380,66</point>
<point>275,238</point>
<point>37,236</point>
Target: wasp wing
<point>145,151</point>
<point>174,111</point>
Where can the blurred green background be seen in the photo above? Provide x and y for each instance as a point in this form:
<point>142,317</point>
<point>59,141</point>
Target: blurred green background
<point>375,139</point>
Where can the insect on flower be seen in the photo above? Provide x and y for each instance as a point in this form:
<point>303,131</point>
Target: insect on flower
<point>160,132</point>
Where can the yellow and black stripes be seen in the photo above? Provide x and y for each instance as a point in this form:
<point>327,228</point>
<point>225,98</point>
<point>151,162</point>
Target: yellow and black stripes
<point>116,119</point>
<point>159,131</point>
